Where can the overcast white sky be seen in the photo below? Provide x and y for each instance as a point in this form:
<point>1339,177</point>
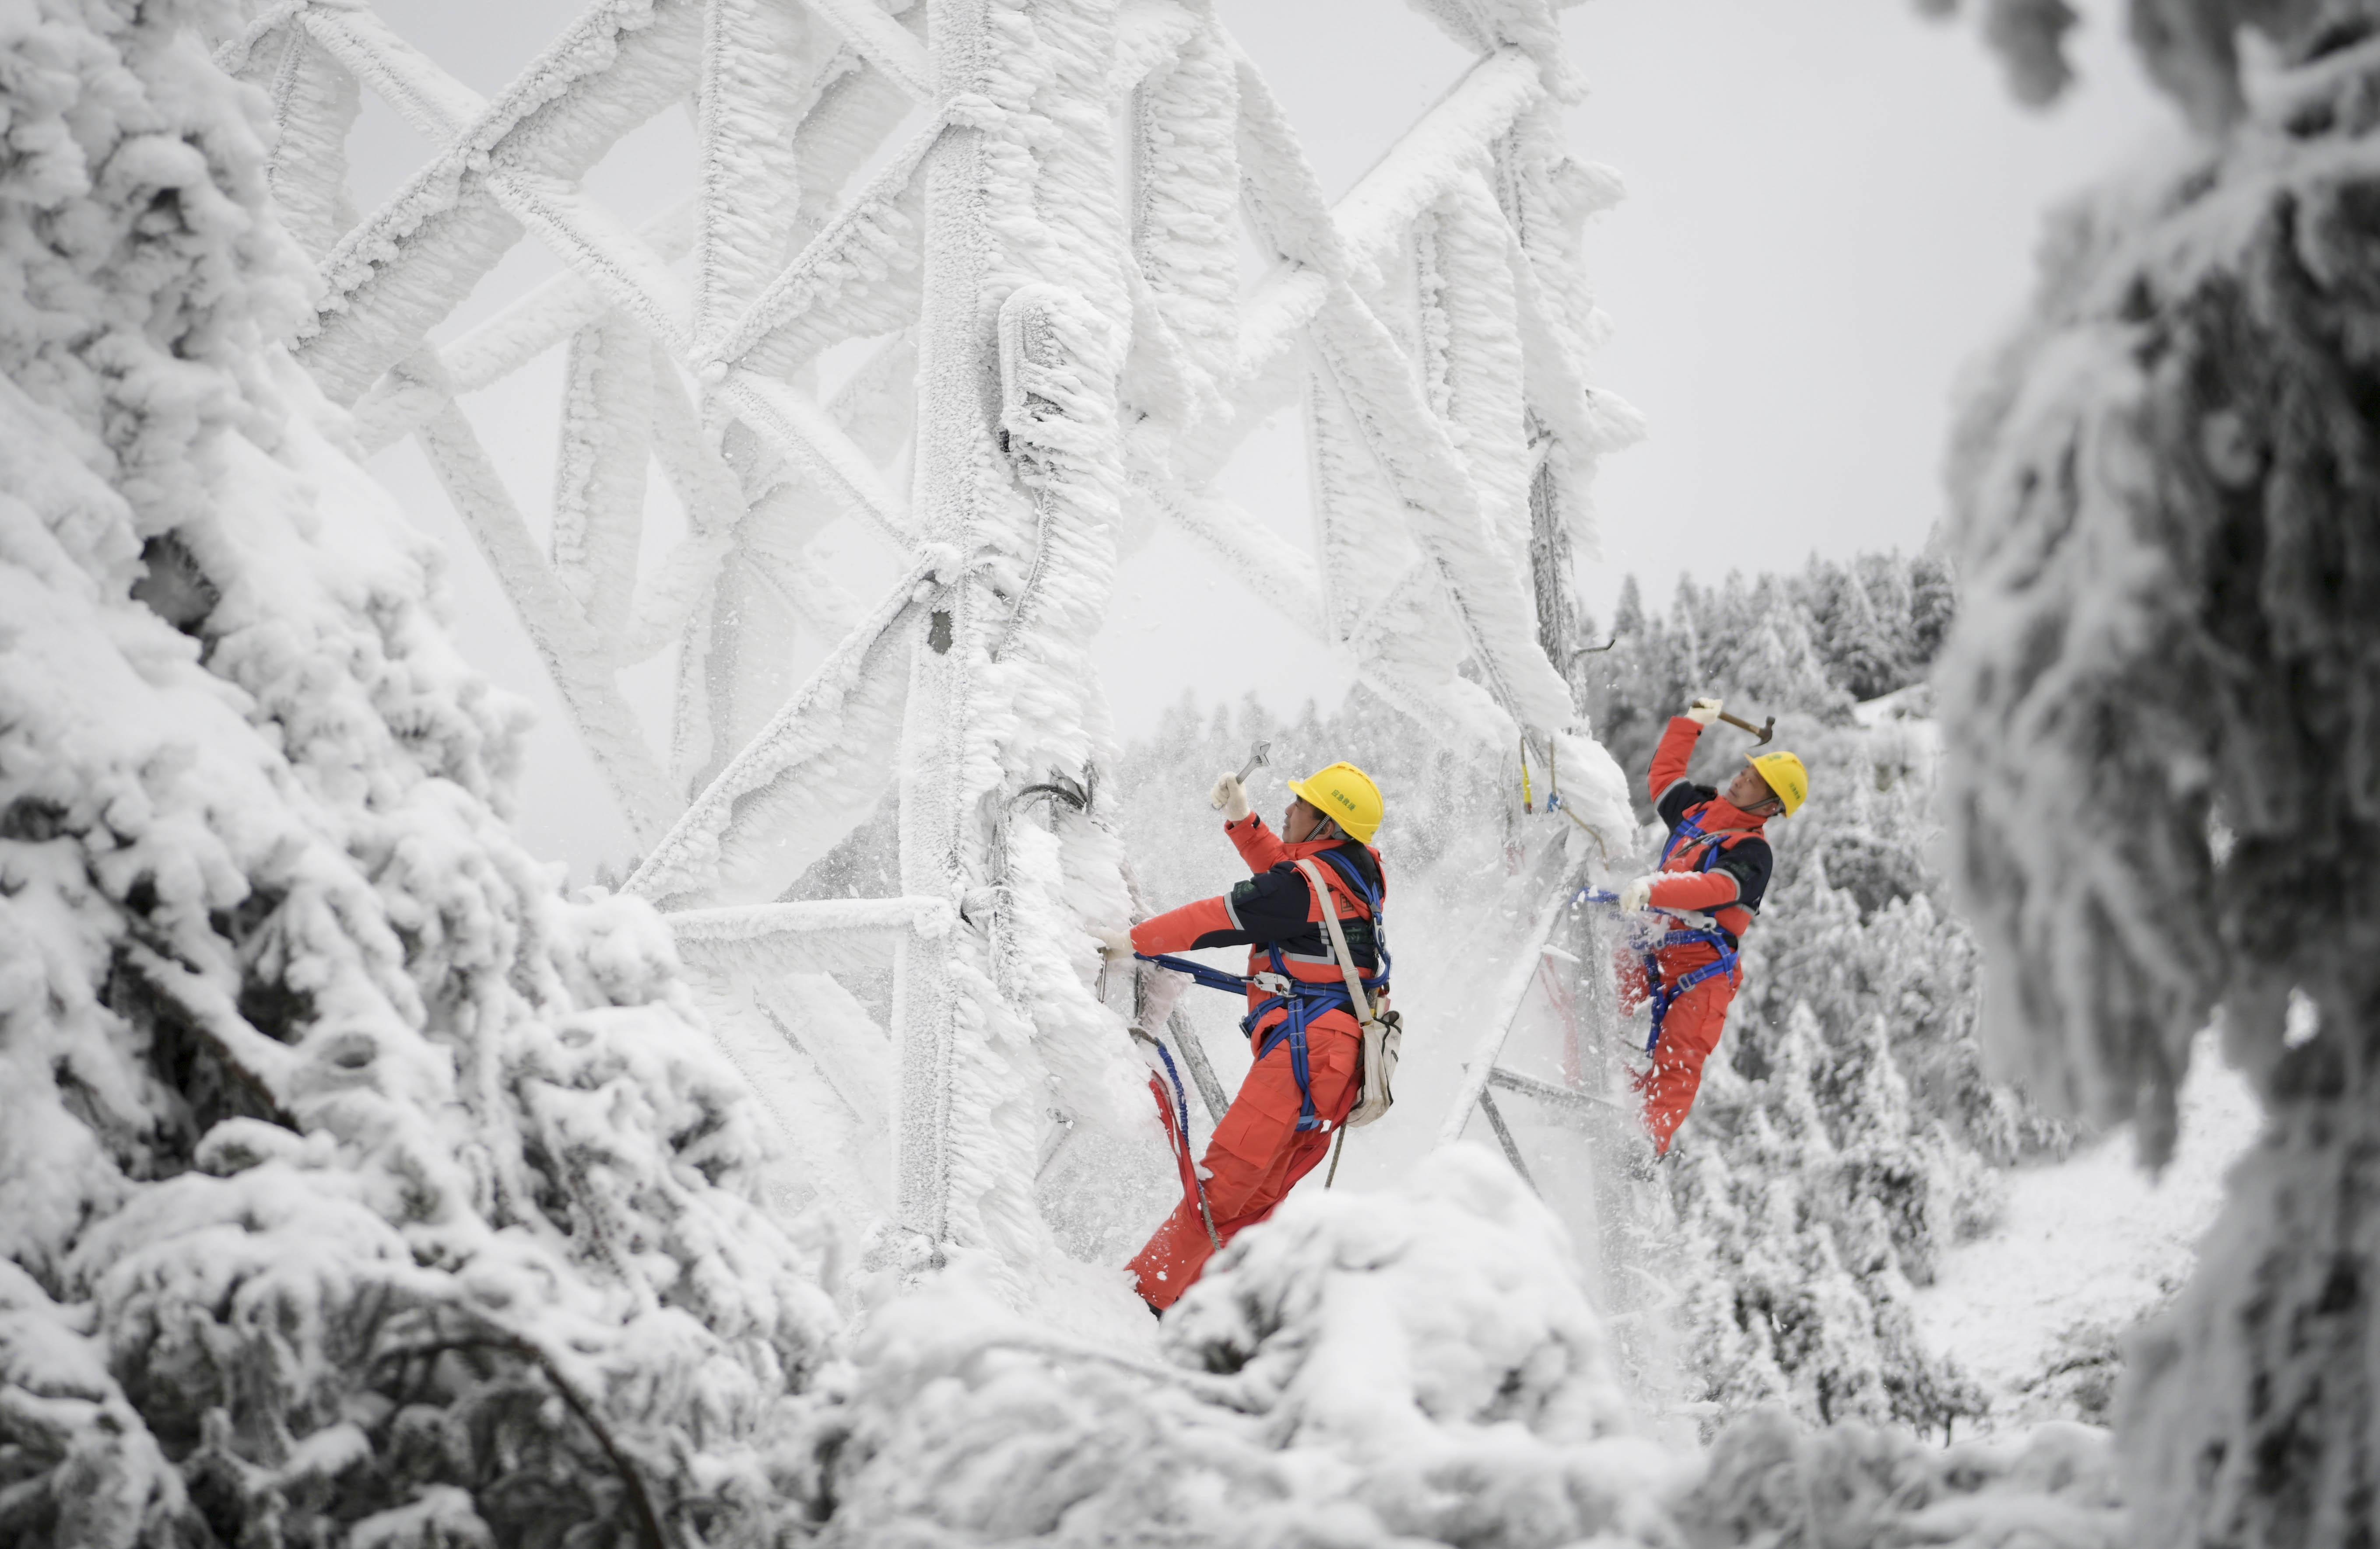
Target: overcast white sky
<point>1832,205</point>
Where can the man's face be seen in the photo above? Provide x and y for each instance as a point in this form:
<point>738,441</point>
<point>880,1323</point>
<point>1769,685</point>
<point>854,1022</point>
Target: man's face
<point>1297,825</point>
<point>1747,790</point>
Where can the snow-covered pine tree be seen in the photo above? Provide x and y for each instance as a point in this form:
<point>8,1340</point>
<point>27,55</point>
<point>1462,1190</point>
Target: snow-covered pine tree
<point>2162,699</point>
<point>354,1187</point>
<point>1863,637</point>
<point>1933,605</point>
<point>1759,641</point>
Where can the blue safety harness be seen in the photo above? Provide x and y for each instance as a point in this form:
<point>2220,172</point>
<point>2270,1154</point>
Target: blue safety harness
<point>1304,1000</point>
<point>1665,995</point>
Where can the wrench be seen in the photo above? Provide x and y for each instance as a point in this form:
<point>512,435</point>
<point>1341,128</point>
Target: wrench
<point>1258,756</point>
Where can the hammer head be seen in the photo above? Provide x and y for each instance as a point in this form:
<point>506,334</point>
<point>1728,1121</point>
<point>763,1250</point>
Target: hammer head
<point>1766,732</point>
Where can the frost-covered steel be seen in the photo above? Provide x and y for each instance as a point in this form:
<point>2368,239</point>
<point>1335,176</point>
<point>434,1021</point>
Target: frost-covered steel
<point>1051,263</point>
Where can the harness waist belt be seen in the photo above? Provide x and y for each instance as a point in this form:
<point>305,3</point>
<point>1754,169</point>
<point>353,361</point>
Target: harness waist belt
<point>1302,1002</point>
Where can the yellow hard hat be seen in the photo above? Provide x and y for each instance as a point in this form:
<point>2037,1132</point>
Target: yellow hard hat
<point>1785,775</point>
<point>1346,795</point>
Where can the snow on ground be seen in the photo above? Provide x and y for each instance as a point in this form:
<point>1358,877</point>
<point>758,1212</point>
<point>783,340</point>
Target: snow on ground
<point>2088,1245</point>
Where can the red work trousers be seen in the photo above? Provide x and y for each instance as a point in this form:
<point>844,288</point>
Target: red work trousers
<point>1689,1033</point>
<point>1258,1154</point>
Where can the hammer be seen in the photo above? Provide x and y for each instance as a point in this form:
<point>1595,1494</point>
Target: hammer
<point>1759,734</point>
<point>1259,755</point>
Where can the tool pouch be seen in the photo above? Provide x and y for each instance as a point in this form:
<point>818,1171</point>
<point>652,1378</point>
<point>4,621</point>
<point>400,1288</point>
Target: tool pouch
<point>1383,1037</point>
<point>1384,1029</point>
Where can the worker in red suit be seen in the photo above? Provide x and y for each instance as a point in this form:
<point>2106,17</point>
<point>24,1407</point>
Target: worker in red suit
<point>1306,1043</point>
<point>1714,870</point>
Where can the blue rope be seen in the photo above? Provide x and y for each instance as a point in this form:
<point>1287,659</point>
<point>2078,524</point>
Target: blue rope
<point>1181,1098</point>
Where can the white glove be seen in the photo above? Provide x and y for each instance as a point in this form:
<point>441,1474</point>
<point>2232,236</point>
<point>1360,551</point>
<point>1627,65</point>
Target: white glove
<point>1634,897</point>
<point>1115,943</point>
<point>1230,797</point>
<point>1702,712</point>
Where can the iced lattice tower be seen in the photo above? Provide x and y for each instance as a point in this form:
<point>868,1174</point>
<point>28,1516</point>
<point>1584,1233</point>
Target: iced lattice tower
<point>1057,365</point>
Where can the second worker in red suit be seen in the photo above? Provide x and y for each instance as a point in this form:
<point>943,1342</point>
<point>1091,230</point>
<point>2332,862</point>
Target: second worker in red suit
<point>1305,1080</point>
<point>1714,871</point>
